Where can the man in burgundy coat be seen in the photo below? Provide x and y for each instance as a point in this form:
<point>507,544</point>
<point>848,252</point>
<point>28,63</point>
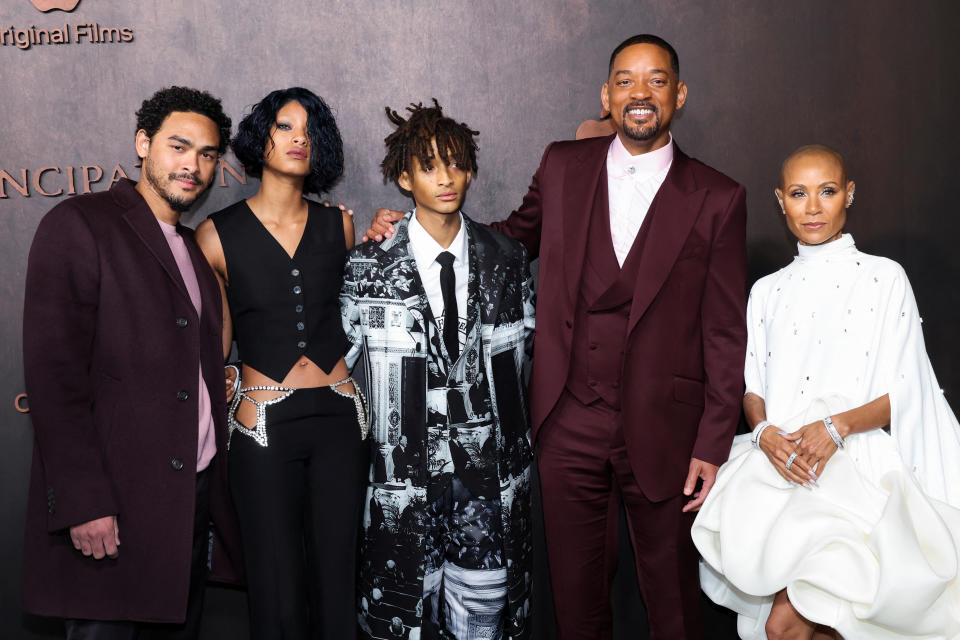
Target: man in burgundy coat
<point>124,368</point>
<point>637,375</point>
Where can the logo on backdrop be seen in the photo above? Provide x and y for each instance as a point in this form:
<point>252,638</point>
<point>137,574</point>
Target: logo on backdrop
<point>55,5</point>
<point>25,38</point>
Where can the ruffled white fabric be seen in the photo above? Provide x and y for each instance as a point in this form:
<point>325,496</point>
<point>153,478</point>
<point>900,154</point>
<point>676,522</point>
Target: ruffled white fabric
<point>873,551</point>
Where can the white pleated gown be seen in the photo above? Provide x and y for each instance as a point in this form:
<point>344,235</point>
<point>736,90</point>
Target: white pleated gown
<point>874,551</point>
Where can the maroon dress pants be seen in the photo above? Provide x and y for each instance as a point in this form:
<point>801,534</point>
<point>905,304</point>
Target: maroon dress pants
<point>585,474</point>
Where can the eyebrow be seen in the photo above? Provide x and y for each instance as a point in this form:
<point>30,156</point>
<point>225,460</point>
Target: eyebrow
<point>187,143</point>
<point>629,71</point>
<point>822,184</point>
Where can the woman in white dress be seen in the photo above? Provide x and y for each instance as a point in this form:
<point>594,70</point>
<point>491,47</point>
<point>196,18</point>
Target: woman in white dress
<point>839,516</point>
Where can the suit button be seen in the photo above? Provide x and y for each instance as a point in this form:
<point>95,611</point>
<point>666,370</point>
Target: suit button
<point>177,464</point>
<point>182,395</point>
<point>182,322</point>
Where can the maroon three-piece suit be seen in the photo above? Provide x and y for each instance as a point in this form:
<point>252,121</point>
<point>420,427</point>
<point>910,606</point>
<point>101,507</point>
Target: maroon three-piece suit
<point>636,370</point>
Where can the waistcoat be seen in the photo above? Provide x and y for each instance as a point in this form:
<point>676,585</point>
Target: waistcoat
<point>603,307</point>
<point>284,307</point>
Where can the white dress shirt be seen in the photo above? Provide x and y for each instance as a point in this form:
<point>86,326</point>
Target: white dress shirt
<point>632,184</point>
<point>425,251</point>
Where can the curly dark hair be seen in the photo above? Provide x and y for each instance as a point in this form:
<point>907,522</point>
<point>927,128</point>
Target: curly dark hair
<point>155,110</point>
<point>326,146</point>
<point>413,135</point>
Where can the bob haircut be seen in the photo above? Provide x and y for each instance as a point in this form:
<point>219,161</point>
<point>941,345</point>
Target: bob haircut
<point>326,146</point>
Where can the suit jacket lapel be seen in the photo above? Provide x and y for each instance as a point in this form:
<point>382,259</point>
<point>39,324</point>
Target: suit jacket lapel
<point>582,179</point>
<point>674,212</point>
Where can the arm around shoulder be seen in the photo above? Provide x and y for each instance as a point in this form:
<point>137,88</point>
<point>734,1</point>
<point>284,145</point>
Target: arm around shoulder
<point>526,223</point>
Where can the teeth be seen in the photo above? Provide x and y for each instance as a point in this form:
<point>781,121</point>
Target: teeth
<point>640,112</point>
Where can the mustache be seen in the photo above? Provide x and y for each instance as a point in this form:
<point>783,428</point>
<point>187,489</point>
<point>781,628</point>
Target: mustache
<point>192,177</point>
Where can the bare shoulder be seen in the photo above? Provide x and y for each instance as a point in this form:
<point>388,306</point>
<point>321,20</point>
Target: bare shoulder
<point>209,241</point>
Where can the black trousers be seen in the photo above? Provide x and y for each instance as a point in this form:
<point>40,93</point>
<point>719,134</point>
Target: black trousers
<point>190,629</point>
<point>299,502</point>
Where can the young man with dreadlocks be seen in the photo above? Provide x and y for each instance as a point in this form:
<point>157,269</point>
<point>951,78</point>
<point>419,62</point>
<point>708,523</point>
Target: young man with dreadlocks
<point>442,314</point>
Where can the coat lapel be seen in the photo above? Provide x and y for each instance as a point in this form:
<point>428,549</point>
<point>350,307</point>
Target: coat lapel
<point>400,263</point>
<point>147,229</point>
<point>583,177</point>
<point>211,304</point>
<point>674,212</point>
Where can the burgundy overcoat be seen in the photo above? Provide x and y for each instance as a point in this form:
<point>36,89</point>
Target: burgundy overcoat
<point>111,344</point>
<point>682,367</point>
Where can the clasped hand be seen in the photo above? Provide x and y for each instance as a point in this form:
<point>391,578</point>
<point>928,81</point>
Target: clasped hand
<point>812,445</point>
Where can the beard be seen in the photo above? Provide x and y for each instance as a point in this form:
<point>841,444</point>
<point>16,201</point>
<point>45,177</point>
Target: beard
<point>641,132</point>
<point>180,204</point>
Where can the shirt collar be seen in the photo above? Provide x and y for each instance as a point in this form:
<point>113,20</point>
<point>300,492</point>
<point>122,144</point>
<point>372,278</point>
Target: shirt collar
<point>621,164</point>
<point>426,249</point>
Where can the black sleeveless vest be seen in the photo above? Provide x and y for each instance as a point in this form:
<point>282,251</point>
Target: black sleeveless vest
<point>282,307</point>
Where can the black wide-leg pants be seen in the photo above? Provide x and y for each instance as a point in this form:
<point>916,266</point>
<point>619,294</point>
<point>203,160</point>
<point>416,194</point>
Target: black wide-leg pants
<point>299,501</point>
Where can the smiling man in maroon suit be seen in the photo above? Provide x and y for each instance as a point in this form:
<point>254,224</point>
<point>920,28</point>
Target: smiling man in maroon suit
<point>638,357</point>
<point>124,369</point>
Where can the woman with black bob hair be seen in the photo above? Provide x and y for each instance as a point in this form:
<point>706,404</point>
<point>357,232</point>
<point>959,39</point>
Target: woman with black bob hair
<point>300,458</point>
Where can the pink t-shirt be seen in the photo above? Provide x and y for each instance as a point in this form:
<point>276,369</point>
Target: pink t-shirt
<point>207,442</point>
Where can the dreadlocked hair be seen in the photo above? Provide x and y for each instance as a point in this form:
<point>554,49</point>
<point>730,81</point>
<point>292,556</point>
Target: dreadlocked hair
<point>412,137</point>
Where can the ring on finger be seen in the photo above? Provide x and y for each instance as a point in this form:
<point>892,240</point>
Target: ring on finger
<point>793,456</point>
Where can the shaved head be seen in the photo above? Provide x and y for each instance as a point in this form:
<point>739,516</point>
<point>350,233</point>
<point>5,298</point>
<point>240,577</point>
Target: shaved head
<point>813,150</point>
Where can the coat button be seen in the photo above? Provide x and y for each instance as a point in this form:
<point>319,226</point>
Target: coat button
<point>182,322</point>
<point>177,464</point>
<point>182,395</point>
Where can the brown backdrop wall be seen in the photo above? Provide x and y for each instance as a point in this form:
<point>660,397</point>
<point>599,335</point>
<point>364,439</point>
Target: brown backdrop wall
<point>876,79</point>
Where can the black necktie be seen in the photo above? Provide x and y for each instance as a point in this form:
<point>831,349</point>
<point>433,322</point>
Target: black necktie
<point>451,318</point>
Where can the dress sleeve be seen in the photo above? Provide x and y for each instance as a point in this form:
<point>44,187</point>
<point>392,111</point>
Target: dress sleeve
<point>921,421</point>
<point>754,368</point>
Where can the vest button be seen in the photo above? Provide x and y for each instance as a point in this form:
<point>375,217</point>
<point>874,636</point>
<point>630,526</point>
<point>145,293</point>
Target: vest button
<point>300,326</point>
<point>301,344</point>
<point>295,273</point>
<point>297,289</point>
<point>177,464</point>
<point>182,322</point>
<point>299,308</point>
<point>182,395</point>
